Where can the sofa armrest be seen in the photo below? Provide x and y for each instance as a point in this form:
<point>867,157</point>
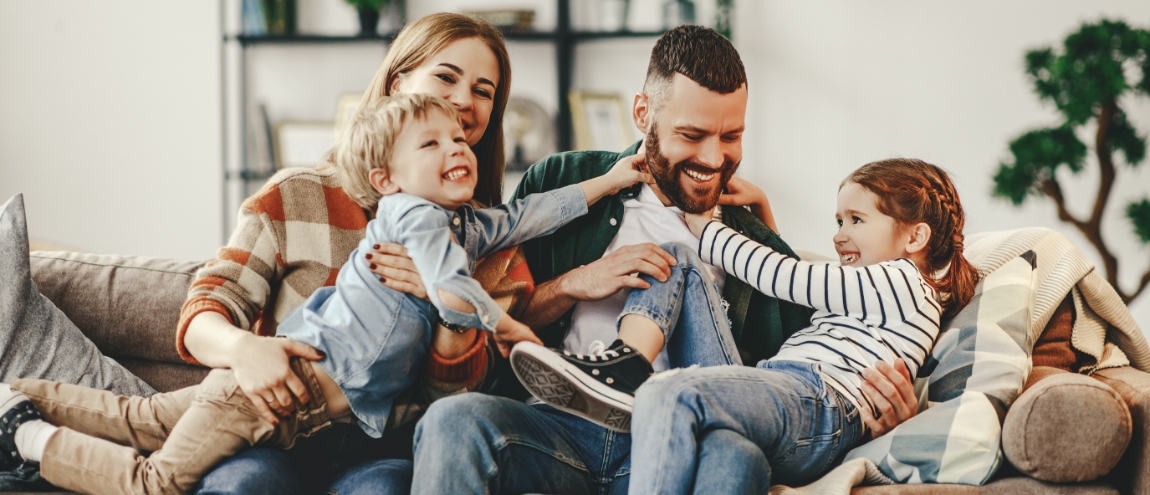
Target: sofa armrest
<point>127,305</point>
<point>1134,387</point>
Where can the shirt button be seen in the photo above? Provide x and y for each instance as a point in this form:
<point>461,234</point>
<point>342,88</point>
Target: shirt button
<point>455,221</point>
<point>614,222</point>
<point>562,324</point>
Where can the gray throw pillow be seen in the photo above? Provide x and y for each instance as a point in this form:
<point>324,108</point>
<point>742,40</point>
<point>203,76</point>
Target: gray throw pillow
<point>36,339</point>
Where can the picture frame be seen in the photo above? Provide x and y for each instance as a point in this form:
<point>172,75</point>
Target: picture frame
<point>600,121</point>
<point>344,109</point>
<point>303,143</point>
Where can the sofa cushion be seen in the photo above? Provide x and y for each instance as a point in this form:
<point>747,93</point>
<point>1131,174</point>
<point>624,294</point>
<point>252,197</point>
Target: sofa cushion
<point>1044,437</point>
<point>36,339</point>
<point>973,374</point>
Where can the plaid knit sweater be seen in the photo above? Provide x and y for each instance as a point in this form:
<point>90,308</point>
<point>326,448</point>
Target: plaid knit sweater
<point>291,239</point>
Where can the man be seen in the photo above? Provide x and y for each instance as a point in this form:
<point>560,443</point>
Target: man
<point>692,111</point>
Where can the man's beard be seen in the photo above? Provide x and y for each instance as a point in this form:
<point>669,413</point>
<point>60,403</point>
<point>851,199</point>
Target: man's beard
<point>690,200</point>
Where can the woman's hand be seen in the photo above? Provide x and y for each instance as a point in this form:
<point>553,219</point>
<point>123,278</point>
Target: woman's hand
<point>889,388</point>
<point>262,371</point>
<point>396,270</point>
<point>740,192</point>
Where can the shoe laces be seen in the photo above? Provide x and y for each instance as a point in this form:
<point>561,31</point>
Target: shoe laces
<point>598,350</point>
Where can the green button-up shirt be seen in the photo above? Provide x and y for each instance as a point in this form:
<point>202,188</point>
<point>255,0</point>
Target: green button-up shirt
<point>759,323</point>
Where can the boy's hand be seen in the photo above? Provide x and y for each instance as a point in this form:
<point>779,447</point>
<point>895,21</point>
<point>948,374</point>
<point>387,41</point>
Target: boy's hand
<point>625,173</point>
<point>697,221</point>
<point>509,332</point>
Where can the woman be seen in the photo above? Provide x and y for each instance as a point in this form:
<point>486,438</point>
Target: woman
<point>292,238</point>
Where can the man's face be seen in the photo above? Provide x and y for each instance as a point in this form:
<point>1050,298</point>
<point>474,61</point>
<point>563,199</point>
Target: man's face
<point>695,143</point>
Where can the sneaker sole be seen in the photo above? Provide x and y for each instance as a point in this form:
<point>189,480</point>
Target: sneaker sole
<point>553,380</point>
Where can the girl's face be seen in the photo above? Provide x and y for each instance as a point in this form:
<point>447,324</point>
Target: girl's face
<point>866,236</point>
<point>465,73</point>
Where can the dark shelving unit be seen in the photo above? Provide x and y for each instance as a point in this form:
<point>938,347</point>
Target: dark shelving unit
<point>563,37</point>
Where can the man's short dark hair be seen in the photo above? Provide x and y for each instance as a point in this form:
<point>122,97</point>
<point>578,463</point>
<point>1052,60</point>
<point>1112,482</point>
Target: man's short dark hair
<point>699,53</point>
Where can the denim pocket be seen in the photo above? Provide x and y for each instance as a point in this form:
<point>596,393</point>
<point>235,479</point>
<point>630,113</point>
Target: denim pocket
<point>807,459</point>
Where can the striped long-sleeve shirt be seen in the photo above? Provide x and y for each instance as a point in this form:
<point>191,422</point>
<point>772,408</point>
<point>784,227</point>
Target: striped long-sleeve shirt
<point>862,315</point>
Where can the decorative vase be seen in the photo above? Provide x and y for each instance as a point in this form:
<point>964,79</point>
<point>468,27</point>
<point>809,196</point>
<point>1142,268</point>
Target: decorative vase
<point>368,22</point>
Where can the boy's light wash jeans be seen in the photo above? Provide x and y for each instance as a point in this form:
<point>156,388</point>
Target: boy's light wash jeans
<point>475,443</point>
<point>776,424</point>
<point>98,447</point>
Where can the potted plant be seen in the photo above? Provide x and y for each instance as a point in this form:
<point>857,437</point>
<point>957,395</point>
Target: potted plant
<point>368,14</point>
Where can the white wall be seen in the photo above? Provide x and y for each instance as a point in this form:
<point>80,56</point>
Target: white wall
<point>110,123</point>
<point>836,84</point>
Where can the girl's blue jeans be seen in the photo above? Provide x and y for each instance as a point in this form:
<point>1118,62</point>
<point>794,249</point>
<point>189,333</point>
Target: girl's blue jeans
<point>726,429</point>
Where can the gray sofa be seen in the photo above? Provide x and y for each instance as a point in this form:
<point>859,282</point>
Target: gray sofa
<point>1064,427</point>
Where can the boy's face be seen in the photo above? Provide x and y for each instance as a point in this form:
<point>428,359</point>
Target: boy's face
<point>431,160</point>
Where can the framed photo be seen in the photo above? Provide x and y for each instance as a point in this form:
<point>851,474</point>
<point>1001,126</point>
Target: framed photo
<point>303,144</point>
<point>600,121</point>
<point>344,109</point>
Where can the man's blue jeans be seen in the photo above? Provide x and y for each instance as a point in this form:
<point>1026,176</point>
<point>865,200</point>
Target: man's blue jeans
<point>734,429</point>
<point>474,443</point>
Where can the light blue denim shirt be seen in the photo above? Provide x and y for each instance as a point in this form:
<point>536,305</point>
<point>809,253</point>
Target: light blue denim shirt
<point>426,230</point>
<point>375,338</point>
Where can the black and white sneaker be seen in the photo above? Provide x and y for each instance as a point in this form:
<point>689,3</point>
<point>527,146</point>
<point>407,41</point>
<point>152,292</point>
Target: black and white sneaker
<point>15,410</point>
<point>599,387</point>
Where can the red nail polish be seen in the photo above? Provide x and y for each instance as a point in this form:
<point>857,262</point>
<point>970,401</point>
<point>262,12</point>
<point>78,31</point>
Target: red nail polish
<point>376,247</point>
<point>372,266</point>
<point>368,255</point>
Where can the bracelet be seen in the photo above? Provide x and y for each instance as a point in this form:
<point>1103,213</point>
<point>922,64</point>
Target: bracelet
<point>451,326</point>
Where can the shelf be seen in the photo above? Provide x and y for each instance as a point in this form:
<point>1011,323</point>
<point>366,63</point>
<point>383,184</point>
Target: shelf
<point>250,175</point>
<point>245,39</point>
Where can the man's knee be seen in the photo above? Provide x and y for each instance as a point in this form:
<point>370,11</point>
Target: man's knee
<point>457,416</point>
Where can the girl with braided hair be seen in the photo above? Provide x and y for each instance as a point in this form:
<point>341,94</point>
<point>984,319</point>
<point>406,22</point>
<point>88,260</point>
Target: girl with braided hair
<point>792,417</point>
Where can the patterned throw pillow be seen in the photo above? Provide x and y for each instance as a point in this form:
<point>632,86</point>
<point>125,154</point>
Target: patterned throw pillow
<point>36,339</point>
<point>975,371</point>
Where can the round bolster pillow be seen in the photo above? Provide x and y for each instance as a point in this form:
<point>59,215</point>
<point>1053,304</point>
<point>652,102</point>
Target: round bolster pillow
<point>1066,428</point>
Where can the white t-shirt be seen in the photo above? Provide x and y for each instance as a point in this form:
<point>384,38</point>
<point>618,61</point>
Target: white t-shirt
<point>645,219</point>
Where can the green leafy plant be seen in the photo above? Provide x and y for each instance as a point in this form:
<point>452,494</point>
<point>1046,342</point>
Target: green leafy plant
<point>368,4</point>
<point>1097,66</point>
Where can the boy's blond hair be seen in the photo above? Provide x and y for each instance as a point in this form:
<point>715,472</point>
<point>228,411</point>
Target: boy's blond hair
<point>368,139</point>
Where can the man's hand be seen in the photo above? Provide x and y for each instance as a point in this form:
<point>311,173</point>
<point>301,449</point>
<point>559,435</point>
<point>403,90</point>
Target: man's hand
<point>889,388</point>
<point>509,332</point>
<point>613,272</point>
<point>266,378</point>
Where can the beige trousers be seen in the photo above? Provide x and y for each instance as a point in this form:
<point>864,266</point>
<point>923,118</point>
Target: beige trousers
<point>99,446</point>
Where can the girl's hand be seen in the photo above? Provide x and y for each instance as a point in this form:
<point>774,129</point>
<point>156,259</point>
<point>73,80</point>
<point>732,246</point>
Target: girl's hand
<point>741,192</point>
<point>891,391</point>
<point>396,270</point>
<point>262,371</point>
<point>698,221</point>
<point>509,332</point>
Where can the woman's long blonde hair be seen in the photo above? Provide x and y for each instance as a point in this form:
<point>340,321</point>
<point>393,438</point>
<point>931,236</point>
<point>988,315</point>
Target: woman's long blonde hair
<point>423,38</point>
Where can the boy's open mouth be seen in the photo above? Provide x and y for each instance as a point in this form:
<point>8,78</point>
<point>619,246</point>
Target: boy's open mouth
<point>456,173</point>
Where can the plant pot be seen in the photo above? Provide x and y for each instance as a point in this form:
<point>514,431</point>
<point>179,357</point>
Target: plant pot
<point>368,22</point>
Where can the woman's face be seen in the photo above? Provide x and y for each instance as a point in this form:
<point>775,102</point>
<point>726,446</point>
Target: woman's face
<point>465,73</point>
